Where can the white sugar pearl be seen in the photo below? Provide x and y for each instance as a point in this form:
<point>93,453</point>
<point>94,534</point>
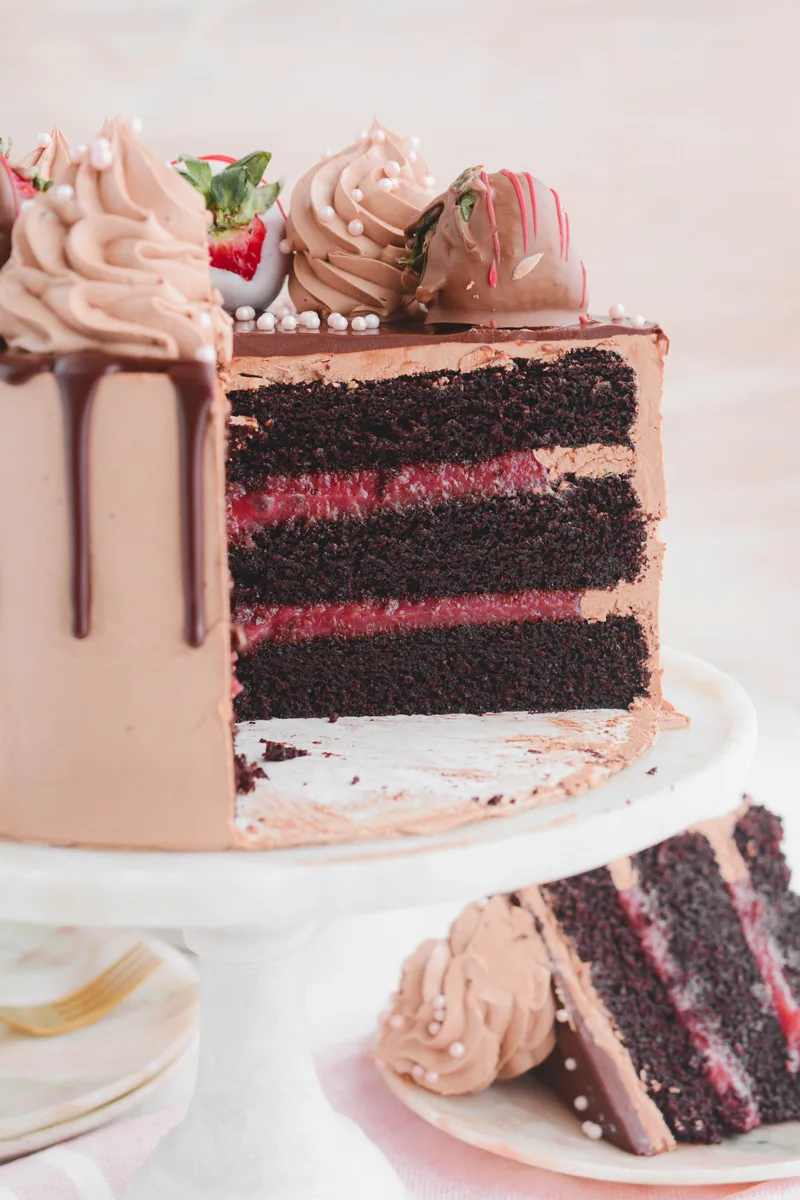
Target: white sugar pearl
<point>428,181</point>
<point>245,313</point>
<point>202,318</point>
<point>397,1021</point>
<point>440,1001</point>
<point>639,321</point>
<point>333,318</point>
<point>206,354</point>
<point>326,213</point>
<point>377,136</point>
<point>412,156</point>
<point>100,154</point>
<point>78,153</point>
<point>357,195</point>
<point>362,135</point>
<point>431,1077</point>
<point>481,903</point>
<point>562,1015</point>
<point>64,191</point>
<point>326,154</point>
<point>385,184</point>
<point>356,227</point>
<point>592,1131</point>
<point>359,324</point>
<point>457,1050</point>
<point>616,312</point>
<point>392,168</point>
<point>26,205</point>
<point>373,320</point>
<point>44,140</point>
<point>289,324</point>
<point>304,315</point>
<point>414,143</point>
<point>434,1028</point>
<point>266,321</point>
<point>313,321</point>
<point>285,246</point>
<point>570,1064</point>
<point>417,1072</point>
<point>581,1103</point>
<point>340,324</point>
<point>135,125</point>
<point>281,310</point>
<point>395,183</point>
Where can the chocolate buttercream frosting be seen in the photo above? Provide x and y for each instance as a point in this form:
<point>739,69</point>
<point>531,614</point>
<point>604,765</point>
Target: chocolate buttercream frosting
<point>474,1007</point>
<point>346,226</point>
<point>497,250</point>
<point>114,257</point>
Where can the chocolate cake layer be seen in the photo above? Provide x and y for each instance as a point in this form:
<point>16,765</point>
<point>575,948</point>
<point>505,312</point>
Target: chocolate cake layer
<point>583,397</point>
<point>539,666</point>
<point>671,1069</point>
<point>728,1010</point>
<point>586,533</point>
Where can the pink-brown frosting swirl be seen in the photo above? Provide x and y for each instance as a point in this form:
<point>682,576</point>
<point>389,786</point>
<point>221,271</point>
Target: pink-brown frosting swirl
<point>47,162</point>
<point>474,1007</point>
<point>114,257</point>
<point>334,269</point>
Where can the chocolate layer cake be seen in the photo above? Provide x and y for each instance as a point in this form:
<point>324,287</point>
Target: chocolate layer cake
<point>452,512</point>
<point>658,997</point>
<point>430,521</point>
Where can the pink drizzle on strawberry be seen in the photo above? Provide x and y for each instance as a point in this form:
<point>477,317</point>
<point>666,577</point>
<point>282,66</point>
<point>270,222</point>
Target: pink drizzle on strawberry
<point>566,236</point>
<point>495,234</point>
<point>585,285</point>
<point>293,623</point>
<point>560,212</point>
<point>534,206</point>
<point>523,212</point>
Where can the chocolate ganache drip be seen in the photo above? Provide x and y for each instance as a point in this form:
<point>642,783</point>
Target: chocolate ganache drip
<point>78,377</point>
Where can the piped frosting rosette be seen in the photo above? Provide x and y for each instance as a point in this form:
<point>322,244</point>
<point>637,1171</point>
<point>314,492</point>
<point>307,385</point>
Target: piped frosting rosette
<point>114,257</point>
<point>50,160</point>
<point>474,1007</point>
<point>347,226</point>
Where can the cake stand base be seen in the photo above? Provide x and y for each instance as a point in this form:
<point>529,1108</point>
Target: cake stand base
<point>259,1126</point>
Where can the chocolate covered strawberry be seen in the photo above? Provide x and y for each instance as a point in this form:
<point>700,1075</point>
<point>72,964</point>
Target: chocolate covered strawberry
<point>247,264</point>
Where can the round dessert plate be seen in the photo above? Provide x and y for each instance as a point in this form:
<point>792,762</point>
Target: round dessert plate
<point>525,1122</point>
<point>689,775</point>
<point>52,1135</point>
<point>54,1082</point>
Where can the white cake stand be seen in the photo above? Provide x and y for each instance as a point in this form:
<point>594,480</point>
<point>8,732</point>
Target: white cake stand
<point>259,1126</point>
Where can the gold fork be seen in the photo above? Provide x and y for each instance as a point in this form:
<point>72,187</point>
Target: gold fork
<point>89,1003</point>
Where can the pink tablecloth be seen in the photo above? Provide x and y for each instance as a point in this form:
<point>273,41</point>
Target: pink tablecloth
<point>100,1165</point>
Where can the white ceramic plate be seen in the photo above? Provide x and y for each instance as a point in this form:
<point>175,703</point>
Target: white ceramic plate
<point>51,1135</point>
<point>48,1082</point>
<point>523,1121</point>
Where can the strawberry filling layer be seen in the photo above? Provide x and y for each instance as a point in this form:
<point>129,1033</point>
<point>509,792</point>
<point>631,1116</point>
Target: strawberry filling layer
<point>326,497</point>
<point>723,1067</point>
<point>290,623</point>
<point>767,953</point>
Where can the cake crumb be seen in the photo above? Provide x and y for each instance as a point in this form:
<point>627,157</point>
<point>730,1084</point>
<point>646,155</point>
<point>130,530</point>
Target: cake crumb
<point>333,718</point>
<point>652,771</point>
<point>246,774</point>
<point>356,779</point>
<point>280,751</point>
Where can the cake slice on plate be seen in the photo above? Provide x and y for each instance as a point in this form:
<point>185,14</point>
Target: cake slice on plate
<point>658,996</point>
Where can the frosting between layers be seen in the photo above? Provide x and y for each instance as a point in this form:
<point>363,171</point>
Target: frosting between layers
<point>336,268</point>
<point>114,259</point>
<point>475,1007</point>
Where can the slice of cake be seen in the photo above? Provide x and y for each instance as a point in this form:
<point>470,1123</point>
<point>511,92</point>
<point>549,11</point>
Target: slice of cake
<point>445,517</point>
<point>658,997</point>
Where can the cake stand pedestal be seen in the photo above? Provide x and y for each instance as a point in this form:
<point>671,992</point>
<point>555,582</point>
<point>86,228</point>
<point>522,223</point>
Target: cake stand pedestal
<point>259,1126</point>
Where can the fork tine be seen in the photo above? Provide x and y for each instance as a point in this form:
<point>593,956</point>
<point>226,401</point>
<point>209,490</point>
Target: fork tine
<point>137,963</point>
<point>133,967</point>
<point>107,999</point>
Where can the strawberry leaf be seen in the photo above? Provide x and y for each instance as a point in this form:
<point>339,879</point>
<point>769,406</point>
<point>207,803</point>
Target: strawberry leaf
<point>466,203</point>
<point>254,165</point>
<point>228,192</point>
<point>197,172</point>
<point>267,195</point>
